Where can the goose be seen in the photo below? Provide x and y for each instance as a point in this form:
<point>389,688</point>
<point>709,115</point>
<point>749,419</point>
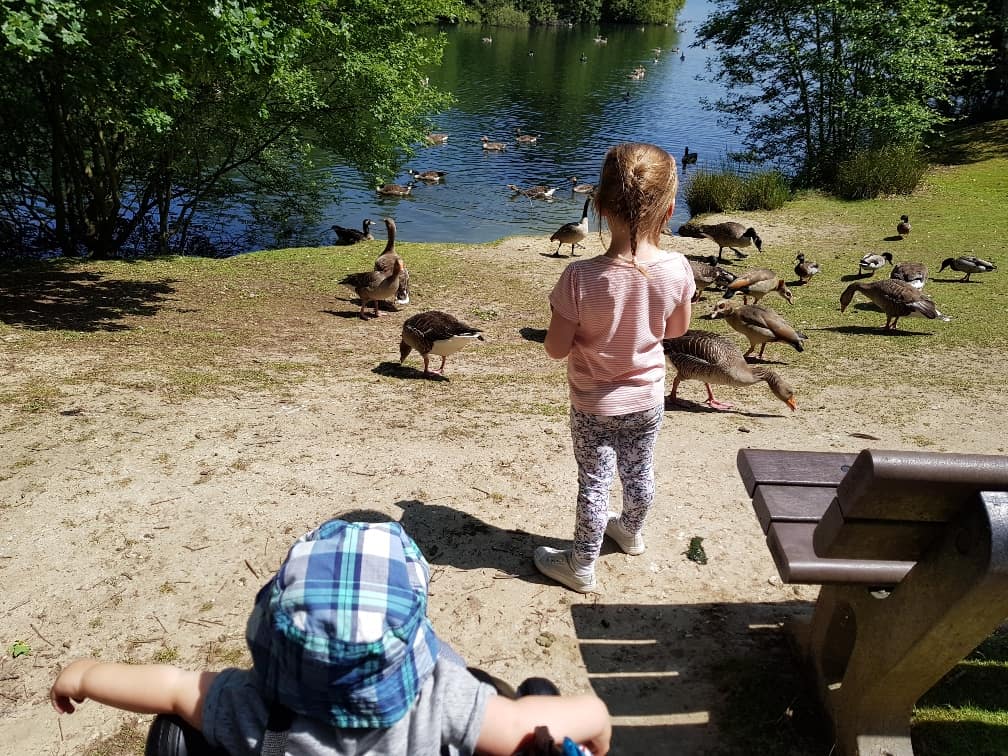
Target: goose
<point>967,264</point>
<point>706,356</point>
<point>534,192</point>
<point>430,177</point>
<point>487,40</point>
<point>374,285</point>
<point>386,262</point>
<point>525,138</point>
<point>727,234</point>
<point>435,332</point>
<point>895,298</point>
<point>584,58</point>
<point>688,157</point>
<point>682,57</point>
<point>436,138</point>
<point>872,262</point>
<point>492,146</point>
<point>352,235</point>
<point>572,233</point>
<point>396,190</point>
<point>581,188</point>
<point>913,273</point>
<point>709,273</point>
<point>761,325</point>
<point>805,269</point>
<point>903,227</point>
<point>757,283</point>
<point>601,40</point>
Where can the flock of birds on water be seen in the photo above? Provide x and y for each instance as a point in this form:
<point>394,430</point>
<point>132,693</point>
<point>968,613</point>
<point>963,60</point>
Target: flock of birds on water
<point>697,355</point>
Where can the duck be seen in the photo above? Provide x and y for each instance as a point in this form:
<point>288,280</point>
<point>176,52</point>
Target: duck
<point>895,298</point>
<point>435,332</point>
<point>430,177</point>
<point>757,283</point>
<point>761,325</point>
<point>534,192</point>
<point>903,227</point>
<point>708,273</point>
<point>581,188</point>
<point>601,40</point>
<point>913,273</point>
<point>492,146</point>
<point>572,233</point>
<point>437,138</point>
<point>396,190</point>
<point>726,234</point>
<point>688,158</point>
<point>352,235</point>
<point>706,356</point>
<point>525,138</point>
<point>374,286</point>
<point>872,262</point>
<point>386,262</point>
<point>967,264</point>
<point>805,269</point>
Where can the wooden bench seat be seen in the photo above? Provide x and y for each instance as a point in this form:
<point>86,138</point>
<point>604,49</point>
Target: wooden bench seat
<point>930,528</point>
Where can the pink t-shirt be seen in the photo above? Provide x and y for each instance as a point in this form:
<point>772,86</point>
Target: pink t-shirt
<point>616,364</point>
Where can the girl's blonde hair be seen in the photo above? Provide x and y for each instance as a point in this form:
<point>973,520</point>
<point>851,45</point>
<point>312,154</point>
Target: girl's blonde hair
<point>638,185</point>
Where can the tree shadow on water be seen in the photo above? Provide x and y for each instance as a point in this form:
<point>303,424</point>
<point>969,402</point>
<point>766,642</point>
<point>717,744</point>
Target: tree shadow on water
<point>77,300</point>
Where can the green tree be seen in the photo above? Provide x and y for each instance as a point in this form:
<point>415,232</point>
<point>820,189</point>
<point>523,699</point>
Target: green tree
<point>820,81</point>
<point>123,118</point>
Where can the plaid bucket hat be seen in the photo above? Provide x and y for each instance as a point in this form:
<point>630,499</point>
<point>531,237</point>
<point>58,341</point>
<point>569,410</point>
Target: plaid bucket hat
<point>341,633</point>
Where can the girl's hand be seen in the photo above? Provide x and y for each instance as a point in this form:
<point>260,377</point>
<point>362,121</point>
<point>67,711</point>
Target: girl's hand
<point>65,691</point>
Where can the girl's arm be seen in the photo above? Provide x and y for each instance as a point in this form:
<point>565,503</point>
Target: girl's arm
<point>142,688</point>
<point>679,321</point>
<point>559,337</point>
<point>509,723</point>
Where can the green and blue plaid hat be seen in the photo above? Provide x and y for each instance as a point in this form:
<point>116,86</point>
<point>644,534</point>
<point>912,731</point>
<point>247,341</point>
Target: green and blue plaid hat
<point>341,633</point>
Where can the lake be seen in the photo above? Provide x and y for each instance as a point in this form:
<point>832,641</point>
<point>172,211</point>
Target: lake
<point>536,79</point>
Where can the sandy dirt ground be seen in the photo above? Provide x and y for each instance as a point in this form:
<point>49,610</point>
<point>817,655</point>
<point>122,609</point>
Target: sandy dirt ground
<point>139,529</point>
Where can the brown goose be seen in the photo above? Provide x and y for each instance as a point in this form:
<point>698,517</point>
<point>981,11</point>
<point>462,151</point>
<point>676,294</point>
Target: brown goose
<point>903,227</point>
<point>374,285</point>
<point>709,273</point>
<point>757,283</point>
<point>429,177</point>
<point>386,262</point>
<point>895,298</point>
<point>572,233</point>
<point>435,332</point>
<point>805,269</point>
<point>396,190</point>
<point>761,325</point>
<point>967,264</point>
<point>872,262</point>
<point>533,192</point>
<point>525,138</point>
<point>705,356</point>
<point>352,235</point>
<point>913,273</point>
<point>728,234</point>
<point>492,146</point>
<point>437,138</point>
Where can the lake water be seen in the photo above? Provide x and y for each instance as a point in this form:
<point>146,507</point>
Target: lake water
<point>535,79</point>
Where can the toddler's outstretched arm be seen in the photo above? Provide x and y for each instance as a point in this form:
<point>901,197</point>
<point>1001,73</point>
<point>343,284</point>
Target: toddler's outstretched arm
<point>508,723</point>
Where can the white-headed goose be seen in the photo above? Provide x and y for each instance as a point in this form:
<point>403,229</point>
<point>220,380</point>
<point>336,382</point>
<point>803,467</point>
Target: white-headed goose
<point>435,332</point>
<point>967,264</point>
<point>757,283</point>
<point>572,233</point>
<point>352,235</point>
<point>895,298</point>
<point>761,325</point>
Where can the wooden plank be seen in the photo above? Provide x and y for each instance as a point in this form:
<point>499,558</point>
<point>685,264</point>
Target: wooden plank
<point>791,503</point>
<point>790,544</point>
<point>791,468</point>
<point>914,485</point>
<point>839,537</point>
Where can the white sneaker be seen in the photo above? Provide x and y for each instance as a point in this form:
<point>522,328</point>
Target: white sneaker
<point>631,543</point>
<point>556,564</point>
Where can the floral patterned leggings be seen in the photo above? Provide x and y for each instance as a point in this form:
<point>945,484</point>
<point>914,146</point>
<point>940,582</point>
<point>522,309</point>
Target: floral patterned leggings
<point>603,445</point>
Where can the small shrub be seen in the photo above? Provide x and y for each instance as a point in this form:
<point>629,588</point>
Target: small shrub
<point>890,170</point>
<point>767,190</point>
<point>710,192</point>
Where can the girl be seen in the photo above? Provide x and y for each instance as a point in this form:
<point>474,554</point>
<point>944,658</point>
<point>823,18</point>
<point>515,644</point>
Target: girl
<point>609,316</point>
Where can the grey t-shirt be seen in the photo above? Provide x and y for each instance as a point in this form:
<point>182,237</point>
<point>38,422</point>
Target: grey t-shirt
<point>448,711</point>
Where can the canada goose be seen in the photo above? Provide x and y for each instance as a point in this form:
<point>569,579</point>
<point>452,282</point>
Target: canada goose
<point>572,233</point>
<point>436,138</point>
<point>761,325</point>
<point>396,190</point>
<point>525,138</point>
<point>872,262</point>
<point>374,286</point>
<point>487,40</point>
<point>657,51</point>
<point>581,188</point>
<point>913,273</point>
<point>708,357</point>
<point>352,235</point>
<point>903,227</point>
<point>709,273</point>
<point>967,264</point>
<point>757,283</point>
<point>386,262</point>
<point>435,332</point>
<point>430,177</point>
<point>584,58</point>
<point>492,146</point>
<point>638,73</point>
<point>601,40</point>
<point>805,269</point>
<point>688,157</point>
<point>682,57</point>
<point>534,192</point>
<point>895,298</point>
<point>727,234</point>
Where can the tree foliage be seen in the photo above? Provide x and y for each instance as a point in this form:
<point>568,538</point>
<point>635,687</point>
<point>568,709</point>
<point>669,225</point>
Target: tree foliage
<point>122,118</point>
<point>820,81</point>
<point>515,12</point>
